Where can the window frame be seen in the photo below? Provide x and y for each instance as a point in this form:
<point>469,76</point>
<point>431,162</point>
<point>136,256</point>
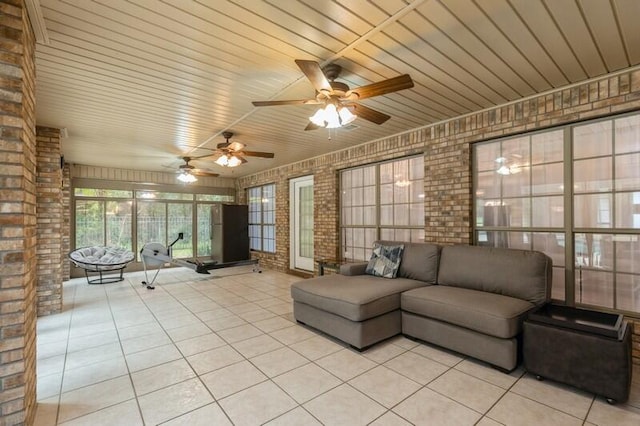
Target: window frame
<point>575,229</point>
<point>357,252</point>
<point>266,192</point>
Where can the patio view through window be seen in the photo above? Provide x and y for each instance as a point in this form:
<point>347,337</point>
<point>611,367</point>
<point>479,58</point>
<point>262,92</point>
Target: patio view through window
<point>121,217</point>
<point>573,193</point>
<point>383,201</point>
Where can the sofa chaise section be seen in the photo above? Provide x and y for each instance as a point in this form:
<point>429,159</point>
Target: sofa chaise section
<point>361,309</point>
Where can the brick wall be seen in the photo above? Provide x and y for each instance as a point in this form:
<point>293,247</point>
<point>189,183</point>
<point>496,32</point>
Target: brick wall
<point>447,156</point>
<point>50,221</point>
<point>17,216</point>
<point>66,221</point>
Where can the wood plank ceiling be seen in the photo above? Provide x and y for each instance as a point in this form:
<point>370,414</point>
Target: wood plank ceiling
<point>138,82</point>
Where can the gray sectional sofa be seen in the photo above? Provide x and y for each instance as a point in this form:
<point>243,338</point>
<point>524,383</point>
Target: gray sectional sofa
<point>469,299</point>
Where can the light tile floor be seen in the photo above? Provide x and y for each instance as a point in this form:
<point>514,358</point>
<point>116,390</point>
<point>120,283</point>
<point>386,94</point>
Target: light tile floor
<point>224,349</point>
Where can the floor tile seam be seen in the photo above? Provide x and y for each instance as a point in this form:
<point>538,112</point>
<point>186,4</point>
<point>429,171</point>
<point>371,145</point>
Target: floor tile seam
<point>282,373</point>
<point>487,380</point>
<point>337,386</point>
<point>98,410</point>
<point>276,329</point>
<point>142,336</point>
<point>182,339</point>
<point>195,375</point>
<point>300,406</point>
<point>510,389</point>
<point>75,351</point>
<point>404,375</point>
<point>95,383</point>
<point>354,377</point>
<point>305,356</point>
<point>593,398</point>
<point>271,379</point>
<point>502,394</point>
<point>593,401</point>
<point>490,418</point>
<point>435,360</point>
<point>93,362</point>
<point>384,414</point>
<point>164,422</point>
<point>64,363</point>
<point>218,400</point>
<point>420,387</point>
<point>126,362</point>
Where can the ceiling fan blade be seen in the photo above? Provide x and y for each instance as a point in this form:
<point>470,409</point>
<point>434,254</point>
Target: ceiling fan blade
<point>311,126</point>
<point>381,88</point>
<point>287,102</point>
<point>256,154</point>
<point>203,173</point>
<point>369,114</point>
<point>315,75</point>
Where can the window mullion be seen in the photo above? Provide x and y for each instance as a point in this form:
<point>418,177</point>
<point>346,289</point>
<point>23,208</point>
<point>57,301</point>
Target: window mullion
<point>569,262</point>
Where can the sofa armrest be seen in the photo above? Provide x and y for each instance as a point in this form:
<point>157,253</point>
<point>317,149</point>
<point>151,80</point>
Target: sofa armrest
<point>353,268</point>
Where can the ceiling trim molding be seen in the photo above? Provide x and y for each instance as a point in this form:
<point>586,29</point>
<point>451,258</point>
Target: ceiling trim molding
<point>37,21</point>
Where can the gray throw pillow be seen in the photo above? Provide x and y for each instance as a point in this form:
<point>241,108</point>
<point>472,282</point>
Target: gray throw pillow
<point>385,260</point>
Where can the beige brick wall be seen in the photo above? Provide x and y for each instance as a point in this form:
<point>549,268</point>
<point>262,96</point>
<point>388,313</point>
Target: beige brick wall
<point>447,156</point>
<point>50,221</point>
<point>17,216</point>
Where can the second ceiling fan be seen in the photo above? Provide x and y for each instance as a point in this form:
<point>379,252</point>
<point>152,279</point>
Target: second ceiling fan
<point>231,154</point>
<point>340,105</point>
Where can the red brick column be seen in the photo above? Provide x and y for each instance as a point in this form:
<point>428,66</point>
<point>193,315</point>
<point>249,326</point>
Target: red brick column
<point>17,216</point>
<point>66,221</point>
<point>49,220</point>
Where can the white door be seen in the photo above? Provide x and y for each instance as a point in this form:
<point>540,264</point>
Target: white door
<point>301,220</point>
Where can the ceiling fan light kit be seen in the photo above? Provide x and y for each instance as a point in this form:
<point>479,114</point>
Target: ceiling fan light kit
<point>228,161</point>
<point>332,117</point>
<point>187,178</point>
<point>339,103</point>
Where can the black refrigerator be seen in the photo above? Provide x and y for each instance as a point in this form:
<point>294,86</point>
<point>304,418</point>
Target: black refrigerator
<point>229,233</point>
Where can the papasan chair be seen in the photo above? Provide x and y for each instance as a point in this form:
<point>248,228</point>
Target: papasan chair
<point>102,259</point>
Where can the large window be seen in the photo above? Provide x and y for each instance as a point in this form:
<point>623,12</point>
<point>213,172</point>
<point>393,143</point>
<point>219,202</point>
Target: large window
<point>262,218</point>
<point>606,164</point>
<point>573,193</point>
<point>107,217</point>
<point>381,201</point>
<point>519,202</point>
<point>103,221</point>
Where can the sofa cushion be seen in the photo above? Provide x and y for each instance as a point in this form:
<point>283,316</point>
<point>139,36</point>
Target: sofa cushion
<point>385,260</point>
<point>488,313</point>
<point>356,298</point>
<point>419,261</point>
<point>522,274</point>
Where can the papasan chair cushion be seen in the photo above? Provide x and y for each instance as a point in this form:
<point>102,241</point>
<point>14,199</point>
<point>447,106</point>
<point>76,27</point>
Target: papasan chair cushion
<point>100,258</point>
